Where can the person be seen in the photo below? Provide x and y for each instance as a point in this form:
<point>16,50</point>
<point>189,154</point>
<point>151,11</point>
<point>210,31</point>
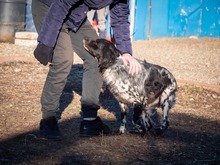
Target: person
<point>62,26</point>
<point>100,15</point>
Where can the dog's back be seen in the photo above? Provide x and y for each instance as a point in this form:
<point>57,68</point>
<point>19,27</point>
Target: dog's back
<point>153,88</point>
<point>143,88</point>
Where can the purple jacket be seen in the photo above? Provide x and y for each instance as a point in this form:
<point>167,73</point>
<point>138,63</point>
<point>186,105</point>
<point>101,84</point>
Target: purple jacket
<point>75,12</point>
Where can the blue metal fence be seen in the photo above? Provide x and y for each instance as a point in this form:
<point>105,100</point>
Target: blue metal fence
<point>176,18</point>
<point>210,18</point>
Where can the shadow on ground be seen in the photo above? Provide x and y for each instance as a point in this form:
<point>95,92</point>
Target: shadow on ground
<point>189,139</point>
<point>74,85</point>
<point>180,144</point>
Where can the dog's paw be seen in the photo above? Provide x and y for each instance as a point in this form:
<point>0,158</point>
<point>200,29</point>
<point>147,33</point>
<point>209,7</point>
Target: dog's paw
<point>158,131</point>
<point>162,128</point>
<point>136,129</point>
<point>121,130</point>
<point>141,129</point>
<point>142,126</point>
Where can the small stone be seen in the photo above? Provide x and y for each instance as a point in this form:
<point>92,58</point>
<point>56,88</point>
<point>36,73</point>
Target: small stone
<point>17,70</point>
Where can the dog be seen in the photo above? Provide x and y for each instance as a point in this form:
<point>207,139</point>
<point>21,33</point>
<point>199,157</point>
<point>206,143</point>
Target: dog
<point>154,87</point>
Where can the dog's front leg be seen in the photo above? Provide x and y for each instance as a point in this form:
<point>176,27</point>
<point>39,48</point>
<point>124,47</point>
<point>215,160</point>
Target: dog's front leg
<point>124,112</point>
<point>145,122</point>
<point>141,121</point>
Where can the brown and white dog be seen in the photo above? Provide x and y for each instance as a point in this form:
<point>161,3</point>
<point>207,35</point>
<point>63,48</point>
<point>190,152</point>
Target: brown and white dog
<point>154,87</point>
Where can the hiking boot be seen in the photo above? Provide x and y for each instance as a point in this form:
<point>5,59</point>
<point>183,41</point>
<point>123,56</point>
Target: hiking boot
<point>49,129</point>
<point>93,128</point>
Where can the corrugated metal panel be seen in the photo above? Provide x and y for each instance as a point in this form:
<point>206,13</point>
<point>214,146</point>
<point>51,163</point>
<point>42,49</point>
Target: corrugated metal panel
<point>184,18</point>
<point>159,23</point>
<point>210,18</point>
<point>176,18</point>
<point>141,20</point>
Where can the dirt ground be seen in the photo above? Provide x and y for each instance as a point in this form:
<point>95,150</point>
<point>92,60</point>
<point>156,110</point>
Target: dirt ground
<point>192,138</point>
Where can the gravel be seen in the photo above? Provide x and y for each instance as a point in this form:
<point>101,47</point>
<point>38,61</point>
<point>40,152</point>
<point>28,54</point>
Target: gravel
<point>188,59</point>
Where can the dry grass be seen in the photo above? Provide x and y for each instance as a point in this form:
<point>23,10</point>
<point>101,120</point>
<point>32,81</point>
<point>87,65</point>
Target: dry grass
<point>192,138</point>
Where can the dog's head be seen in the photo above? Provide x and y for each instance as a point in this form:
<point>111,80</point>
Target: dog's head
<point>104,50</point>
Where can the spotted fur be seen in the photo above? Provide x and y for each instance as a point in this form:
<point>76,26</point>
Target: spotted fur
<point>154,87</point>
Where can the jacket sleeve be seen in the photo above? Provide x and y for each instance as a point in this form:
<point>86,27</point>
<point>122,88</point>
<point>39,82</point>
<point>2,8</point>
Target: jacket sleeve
<point>54,20</point>
<point>121,26</point>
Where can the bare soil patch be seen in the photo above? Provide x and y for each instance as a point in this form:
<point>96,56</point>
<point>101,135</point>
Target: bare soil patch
<point>192,138</point>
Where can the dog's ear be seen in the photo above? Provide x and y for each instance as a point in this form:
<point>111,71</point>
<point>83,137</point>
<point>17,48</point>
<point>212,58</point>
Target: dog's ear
<point>114,50</point>
<point>111,47</point>
<point>108,55</point>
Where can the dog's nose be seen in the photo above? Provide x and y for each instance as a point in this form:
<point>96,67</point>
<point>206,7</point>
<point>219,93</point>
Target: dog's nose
<point>84,41</point>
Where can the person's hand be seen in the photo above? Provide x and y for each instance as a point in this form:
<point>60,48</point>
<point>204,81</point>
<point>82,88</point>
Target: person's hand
<point>134,65</point>
<point>43,53</point>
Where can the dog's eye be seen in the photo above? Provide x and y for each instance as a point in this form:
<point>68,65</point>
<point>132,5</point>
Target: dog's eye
<point>94,46</point>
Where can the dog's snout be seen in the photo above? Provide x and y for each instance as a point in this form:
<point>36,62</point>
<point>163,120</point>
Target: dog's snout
<point>86,40</point>
<point>85,43</point>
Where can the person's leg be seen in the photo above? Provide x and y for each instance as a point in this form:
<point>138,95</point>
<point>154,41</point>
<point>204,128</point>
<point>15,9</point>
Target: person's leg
<point>57,76</point>
<point>92,80</point>
<point>56,79</point>
<point>102,22</point>
<point>90,15</point>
